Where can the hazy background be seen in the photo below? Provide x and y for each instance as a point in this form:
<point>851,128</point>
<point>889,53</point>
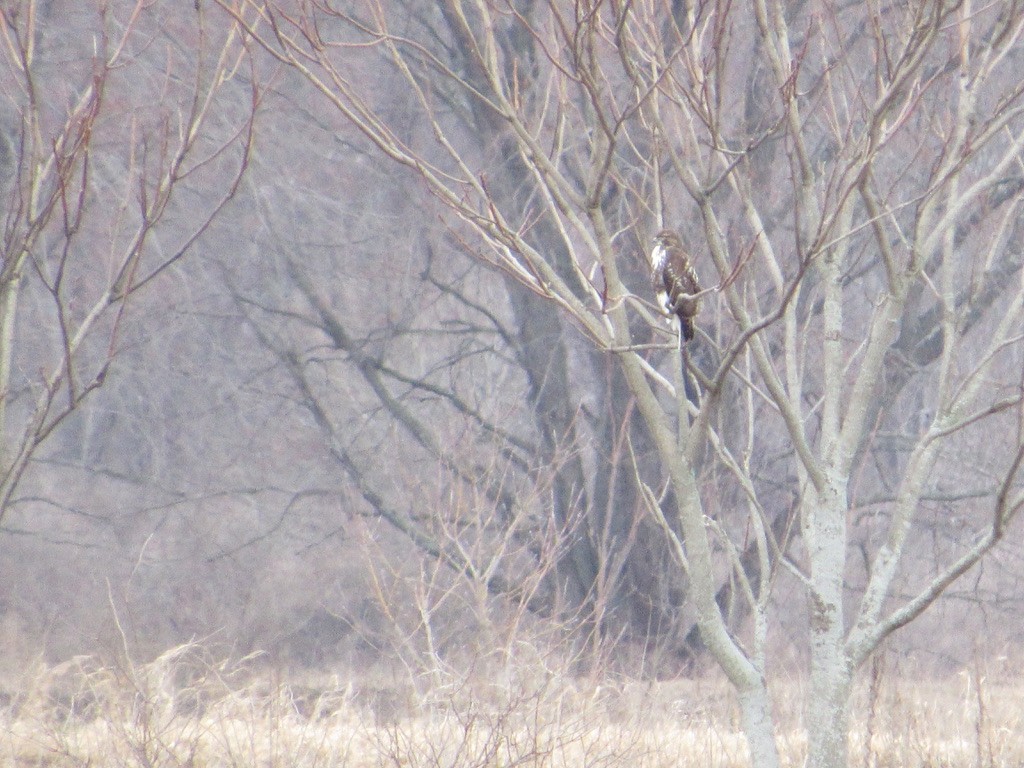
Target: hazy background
<point>327,384</point>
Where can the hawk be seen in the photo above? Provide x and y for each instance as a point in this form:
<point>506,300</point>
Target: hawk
<point>675,281</point>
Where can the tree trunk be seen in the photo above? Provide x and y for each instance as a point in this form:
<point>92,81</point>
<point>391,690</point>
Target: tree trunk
<point>756,720</point>
<point>828,712</point>
<point>828,705</point>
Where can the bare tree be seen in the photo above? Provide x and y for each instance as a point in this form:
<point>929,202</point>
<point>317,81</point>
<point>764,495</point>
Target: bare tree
<point>851,176</point>
<point>92,168</point>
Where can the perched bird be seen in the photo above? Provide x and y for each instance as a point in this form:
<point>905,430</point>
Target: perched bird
<point>675,281</point>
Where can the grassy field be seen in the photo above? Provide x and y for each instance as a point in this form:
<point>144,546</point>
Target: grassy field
<point>183,710</point>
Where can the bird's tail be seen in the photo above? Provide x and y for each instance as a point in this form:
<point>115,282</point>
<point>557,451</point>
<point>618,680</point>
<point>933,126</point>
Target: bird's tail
<point>689,385</point>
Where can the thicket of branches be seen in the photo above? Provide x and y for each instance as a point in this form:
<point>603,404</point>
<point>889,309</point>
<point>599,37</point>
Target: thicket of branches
<point>858,168</point>
<point>124,133</point>
<point>429,334</point>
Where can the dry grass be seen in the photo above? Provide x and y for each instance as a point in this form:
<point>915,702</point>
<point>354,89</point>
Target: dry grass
<point>184,710</point>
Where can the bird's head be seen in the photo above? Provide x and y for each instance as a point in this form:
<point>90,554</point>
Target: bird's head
<point>667,238</point>
<point>664,241</point>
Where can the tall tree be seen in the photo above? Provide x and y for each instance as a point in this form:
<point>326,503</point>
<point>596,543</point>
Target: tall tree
<point>849,175</point>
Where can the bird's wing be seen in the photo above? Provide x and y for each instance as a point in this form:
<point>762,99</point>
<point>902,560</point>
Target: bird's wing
<point>680,278</point>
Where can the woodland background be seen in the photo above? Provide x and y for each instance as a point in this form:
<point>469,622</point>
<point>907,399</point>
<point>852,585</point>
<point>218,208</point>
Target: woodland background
<point>310,420</point>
